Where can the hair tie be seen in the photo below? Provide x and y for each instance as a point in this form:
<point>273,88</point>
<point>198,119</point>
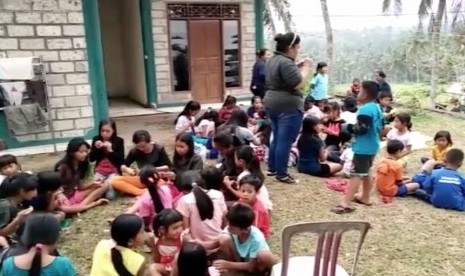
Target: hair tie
<point>194,184</point>
<point>39,246</point>
<point>112,244</point>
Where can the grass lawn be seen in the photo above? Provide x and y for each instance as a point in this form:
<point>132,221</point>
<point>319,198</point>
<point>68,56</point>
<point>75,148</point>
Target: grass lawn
<point>408,237</point>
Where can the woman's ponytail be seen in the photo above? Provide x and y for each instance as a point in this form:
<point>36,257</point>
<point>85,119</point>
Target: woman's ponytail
<point>36,265</point>
<point>117,260</point>
<point>203,202</point>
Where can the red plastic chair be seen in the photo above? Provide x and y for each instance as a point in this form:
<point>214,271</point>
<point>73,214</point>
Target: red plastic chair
<point>327,250</point>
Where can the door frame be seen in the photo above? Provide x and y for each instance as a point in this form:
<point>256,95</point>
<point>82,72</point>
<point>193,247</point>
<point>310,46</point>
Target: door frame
<point>90,9</point>
<point>221,19</point>
<point>222,78</point>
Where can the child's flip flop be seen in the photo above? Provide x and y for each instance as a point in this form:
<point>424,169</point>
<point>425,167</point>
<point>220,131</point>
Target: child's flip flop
<point>339,209</point>
<point>358,201</point>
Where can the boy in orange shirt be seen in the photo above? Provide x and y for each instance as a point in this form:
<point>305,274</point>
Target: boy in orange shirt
<point>389,175</point>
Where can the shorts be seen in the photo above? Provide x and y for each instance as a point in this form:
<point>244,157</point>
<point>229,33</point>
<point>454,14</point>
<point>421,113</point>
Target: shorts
<point>361,164</point>
<point>76,198</point>
<point>420,178</point>
<point>402,190</point>
<point>324,171</point>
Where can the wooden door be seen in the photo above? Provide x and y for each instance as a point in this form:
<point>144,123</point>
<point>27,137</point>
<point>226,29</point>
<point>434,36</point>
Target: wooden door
<point>205,60</point>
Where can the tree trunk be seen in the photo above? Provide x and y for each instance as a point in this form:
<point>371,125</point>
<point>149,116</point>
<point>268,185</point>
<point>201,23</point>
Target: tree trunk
<point>417,70</point>
<point>329,33</point>
<point>435,39</point>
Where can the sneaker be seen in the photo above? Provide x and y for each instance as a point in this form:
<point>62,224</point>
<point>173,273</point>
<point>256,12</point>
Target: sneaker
<point>270,173</point>
<point>287,179</point>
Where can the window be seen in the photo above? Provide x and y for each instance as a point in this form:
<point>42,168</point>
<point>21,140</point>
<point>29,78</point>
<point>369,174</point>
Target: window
<point>231,44</point>
<point>179,55</point>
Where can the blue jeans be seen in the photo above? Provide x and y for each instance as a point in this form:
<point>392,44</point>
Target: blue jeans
<point>285,126</point>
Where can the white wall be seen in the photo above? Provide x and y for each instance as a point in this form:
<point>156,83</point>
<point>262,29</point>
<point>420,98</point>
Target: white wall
<point>133,52</point>
<point>110,15</point>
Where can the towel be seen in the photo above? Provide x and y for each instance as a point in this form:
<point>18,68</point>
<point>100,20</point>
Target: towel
<point>25,119</point>
<point>338,185</point>
<point>35,91</point>
<point>16,68</point>
<point>14,92</point>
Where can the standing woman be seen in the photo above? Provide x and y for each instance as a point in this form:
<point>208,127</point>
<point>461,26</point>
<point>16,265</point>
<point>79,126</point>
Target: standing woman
<point>284,101</point>
<point>257,86</point>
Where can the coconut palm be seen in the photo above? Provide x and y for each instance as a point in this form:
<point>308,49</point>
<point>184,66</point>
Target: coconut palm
<point>329,31</point>
<point>425,9</point>
<point>281,9</point>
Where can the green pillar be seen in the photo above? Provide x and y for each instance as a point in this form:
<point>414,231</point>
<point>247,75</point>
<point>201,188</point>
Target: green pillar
<point>259,8</point>
<point>95,56</point>
<point>149,53</point>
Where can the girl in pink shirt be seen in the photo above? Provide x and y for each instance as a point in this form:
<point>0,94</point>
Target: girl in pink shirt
<point>203,210</point>
<point>156,197</point>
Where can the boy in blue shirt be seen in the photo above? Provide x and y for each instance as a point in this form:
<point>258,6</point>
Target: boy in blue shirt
<point>445,187</point>
<point>367,133</point>
<point>243,247</point>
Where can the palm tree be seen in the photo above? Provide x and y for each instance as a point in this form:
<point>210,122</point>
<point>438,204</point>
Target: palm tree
<point>436,20</point>
<point>281,8</point>
<point>329,31</point>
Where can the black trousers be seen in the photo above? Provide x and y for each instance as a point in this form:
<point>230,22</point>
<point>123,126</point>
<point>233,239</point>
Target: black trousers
<point>258,90</point>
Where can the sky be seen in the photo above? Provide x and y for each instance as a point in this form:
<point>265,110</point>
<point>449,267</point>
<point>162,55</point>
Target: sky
<point>350,14</point>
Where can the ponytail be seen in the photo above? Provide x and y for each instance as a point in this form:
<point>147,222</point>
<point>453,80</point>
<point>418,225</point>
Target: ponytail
<point>36,265</point>
<point>149,177</point>
<point>117,260</point>
<point>252,163</point>
<point>203,202</point>
<point>157,204</point>
<point>255,169</point>
<point>409,126</point>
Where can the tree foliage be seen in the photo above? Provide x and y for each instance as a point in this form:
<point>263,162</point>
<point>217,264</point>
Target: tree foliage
<point>405,56</point>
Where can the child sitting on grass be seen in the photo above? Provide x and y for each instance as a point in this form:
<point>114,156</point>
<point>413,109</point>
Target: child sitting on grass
<point>13,192</point>
<point>185,122</point>
<point>442,144</point>
<point>9,166</point>
<point>401,132</point>
<point>116,256</point>
<point>249,187</point>
<point>243,246</point>
<point>390,180</point>
<point>229,106</point>
<point>445,187</point>
<point>107,151</point>
<point>168,229</point>
<point>385,102</point>
<point>40,236</point>
<point>312,154</point>
<point>79,193</point>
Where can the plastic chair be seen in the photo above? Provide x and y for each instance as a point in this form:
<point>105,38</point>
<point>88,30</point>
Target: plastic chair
<point>329,240</point>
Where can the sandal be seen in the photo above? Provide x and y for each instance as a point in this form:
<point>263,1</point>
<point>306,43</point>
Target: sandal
<point>339,209</point>
<point>358,201</point>
<point>270,173</point>
<point>287,179</point>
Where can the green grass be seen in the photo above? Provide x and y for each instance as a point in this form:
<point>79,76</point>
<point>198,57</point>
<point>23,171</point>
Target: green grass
<point>408,237</point>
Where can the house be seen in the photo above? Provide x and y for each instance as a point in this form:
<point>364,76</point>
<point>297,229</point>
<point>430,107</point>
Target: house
<point>157,53</point>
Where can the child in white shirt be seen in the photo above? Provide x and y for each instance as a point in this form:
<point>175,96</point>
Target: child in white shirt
<point>349,114</point>
<point>346,159</point>
<point>185,122</point>
<point>311,109</point>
